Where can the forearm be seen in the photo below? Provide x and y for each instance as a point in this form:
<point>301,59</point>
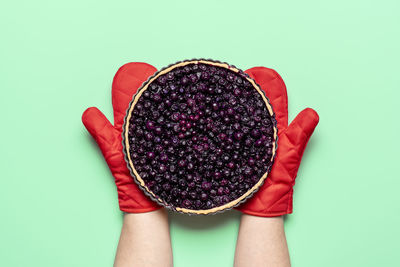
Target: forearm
<point>261,242</point>
<point>145,240</point>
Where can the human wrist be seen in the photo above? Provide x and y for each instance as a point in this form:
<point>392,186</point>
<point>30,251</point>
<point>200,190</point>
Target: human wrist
<point>153,214</point>
<point>262,219</point>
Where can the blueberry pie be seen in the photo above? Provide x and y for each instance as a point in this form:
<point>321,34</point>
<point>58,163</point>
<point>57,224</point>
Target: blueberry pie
<point>199,136</point>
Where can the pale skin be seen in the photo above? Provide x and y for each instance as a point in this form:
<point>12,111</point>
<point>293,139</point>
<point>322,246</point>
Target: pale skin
<point>261,243</point>
<point>145,241</point>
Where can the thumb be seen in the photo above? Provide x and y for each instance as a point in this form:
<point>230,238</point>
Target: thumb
<point>99,127</point>
<point>301,129</point>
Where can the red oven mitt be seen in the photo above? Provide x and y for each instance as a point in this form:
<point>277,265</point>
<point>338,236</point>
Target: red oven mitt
<point>109,137</point>
<point>275,197</point>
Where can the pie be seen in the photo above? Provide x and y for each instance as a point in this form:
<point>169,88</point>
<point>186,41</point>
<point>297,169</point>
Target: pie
<point>200,136</point>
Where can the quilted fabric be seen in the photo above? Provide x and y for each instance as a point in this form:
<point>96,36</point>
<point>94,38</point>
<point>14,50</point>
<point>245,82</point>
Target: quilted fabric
<point>109,138</point>
<point>275,197</point>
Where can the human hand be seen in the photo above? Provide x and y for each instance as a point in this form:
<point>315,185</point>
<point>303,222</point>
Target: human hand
<point>275,197</point>
<point>109,137</point>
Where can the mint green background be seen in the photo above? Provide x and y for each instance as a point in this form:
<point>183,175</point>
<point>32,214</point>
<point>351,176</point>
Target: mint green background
<point>58,202</point>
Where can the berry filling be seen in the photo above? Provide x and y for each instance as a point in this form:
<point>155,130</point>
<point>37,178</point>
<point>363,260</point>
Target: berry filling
<point>200,136</point>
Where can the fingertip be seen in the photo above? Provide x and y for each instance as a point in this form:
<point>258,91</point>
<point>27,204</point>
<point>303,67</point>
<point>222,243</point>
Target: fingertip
<point>88,114</point>
<point>132,68</point>
<point>263,73</point>
<point>312,114</point>
<point>307,120</point>
<point>95,121</point>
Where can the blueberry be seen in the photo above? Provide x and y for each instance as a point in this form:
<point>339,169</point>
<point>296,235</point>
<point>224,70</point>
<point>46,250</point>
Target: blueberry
<point>225,157</point>
<point>227,173</point>
<point>182,163</point>
<point>158,130</point>
<point>156,189</point>
<point>167,187</point>
<point>162,168</point>
<point>162,79</point>
<point>255,133</point>
<point>220,191</point>
<point>237,92</point>
<point>170,76</point>
<point>225,199</point>
<point>150,155</point>
<point>231,165</point>
<point>204,196</point>
<point>187,203</point>
<point>163,157</point>
<point>193,195</point>
<point>146,94</point>
<point>248,142</point>
<point>217,175</point>
<point>150,125</point>
<point>231,111</point>
<point>190,166</point>
<point>157,97</point>
<point>251,162</point>
<point>213,192</point>
<point>248,171</point>
<point>149,136</point>
<point>222,136</point>
<point>259,143</point>
<point>191,184</point>
<point>230,77</point>
<point>224,182</point>
<point>238,136</point>
<point>206,185</point>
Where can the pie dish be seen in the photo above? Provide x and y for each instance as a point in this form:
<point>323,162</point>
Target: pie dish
<point>199,137</point>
